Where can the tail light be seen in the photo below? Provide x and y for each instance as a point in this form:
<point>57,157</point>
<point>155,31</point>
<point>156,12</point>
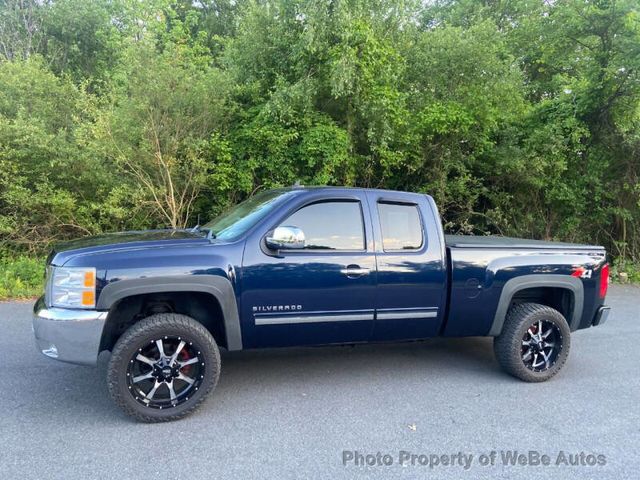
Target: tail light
<point>604,280</point>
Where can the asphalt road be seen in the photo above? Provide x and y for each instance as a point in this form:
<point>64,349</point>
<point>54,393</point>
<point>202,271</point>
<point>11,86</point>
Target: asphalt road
<point>293,413</point>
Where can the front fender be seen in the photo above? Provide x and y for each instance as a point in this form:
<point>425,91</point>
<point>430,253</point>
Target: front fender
<point>220,287</point>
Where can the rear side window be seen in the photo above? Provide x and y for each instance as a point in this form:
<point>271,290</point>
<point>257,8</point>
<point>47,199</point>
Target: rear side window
<point>330,225</point>
<point>401,226</point>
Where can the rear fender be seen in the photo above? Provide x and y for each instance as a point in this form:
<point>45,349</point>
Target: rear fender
<point>511,287</point>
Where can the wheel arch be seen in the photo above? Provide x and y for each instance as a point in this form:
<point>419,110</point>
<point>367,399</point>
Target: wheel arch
<point>519,286</point>
<point>205,291</point>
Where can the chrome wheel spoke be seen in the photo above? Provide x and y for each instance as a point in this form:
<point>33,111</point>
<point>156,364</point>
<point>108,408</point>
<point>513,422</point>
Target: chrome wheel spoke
<point>546,356</point>
<point>539,332</point>
<point>153,391</point>
<point>547,333</point>
<point>535,360</point>
<point>143,359</point>
<point>140,378</point>
<point>172,392</point>
<point>160,346</point>
<point>191,361</point>
<point>177,352</point>
<point>527,356</point>
<point>184,378</point>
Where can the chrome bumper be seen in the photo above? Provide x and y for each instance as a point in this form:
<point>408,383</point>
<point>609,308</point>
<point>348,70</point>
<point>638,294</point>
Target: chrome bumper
<point>68,335</point>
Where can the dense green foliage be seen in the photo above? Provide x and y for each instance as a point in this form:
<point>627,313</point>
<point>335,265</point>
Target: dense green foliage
<point>519,117</point>
<point>21,277</point>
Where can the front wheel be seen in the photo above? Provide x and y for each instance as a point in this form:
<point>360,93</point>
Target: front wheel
<point>534,343</point>
<point>163,367</point>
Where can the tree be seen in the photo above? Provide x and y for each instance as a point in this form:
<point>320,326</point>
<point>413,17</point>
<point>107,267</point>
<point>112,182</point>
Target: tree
<point>20,28</point>
<point>157,127</point>
<point>50,185</point>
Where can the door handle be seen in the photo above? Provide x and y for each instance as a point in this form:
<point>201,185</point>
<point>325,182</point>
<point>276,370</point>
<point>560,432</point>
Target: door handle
<point>355,271</point>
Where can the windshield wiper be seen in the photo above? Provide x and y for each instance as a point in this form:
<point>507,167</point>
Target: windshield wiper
<point>210,234</point>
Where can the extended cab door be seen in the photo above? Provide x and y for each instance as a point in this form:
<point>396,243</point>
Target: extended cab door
<point>411,282</point>
<point>320,294</point>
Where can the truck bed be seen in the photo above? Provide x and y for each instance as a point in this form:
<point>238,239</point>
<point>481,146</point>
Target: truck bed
<point>481,267</point>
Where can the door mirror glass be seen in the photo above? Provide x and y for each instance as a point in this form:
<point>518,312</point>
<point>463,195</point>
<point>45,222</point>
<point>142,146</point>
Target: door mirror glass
<point>286,237</point>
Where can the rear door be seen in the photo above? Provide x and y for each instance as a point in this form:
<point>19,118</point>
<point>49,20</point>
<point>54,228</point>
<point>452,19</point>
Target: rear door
<point>411,280</point>
<point>323,293</point>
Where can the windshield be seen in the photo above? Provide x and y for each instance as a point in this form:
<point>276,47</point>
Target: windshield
<point>236,221</point>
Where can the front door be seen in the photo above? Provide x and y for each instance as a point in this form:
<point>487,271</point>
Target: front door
<point>320,294</point>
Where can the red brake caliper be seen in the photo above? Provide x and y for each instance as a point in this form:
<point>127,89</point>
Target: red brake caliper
<point>184,356</point>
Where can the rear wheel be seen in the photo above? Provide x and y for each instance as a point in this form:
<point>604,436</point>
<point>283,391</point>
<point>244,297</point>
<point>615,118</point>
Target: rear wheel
<point>534,343</point>
<point>163,368</point>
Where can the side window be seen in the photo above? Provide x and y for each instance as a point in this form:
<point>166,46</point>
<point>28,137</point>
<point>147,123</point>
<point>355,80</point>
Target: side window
<point>330,225</point>
<point>401,226</point>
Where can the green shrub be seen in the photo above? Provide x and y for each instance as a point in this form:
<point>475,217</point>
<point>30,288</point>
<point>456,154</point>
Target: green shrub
<point>21,277</point>
<point>630,268</point>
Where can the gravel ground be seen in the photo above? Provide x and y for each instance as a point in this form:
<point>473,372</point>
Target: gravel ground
<point>298,413</point>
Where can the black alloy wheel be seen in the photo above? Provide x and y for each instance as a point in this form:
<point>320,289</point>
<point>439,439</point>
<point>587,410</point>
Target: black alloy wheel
<point>165,372</point>
<point>541,345</point>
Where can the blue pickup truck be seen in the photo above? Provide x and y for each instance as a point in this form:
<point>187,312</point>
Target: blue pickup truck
<point>306,266</point>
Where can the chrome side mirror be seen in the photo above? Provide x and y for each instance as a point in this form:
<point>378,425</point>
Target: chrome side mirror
<point>286,238</point>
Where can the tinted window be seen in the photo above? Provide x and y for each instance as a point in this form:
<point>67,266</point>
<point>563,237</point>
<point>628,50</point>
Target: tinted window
<point>330,225</point>
<point>401,227</point>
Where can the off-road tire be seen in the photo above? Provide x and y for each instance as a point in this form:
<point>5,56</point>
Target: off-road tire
<point>145,331</point>
<point>508,346</point>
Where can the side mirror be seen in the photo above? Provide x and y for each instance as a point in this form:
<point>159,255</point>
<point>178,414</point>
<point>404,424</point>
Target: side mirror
<point>286,238</point>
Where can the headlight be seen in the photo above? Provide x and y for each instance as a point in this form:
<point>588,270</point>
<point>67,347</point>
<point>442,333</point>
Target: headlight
<point>73,287</point>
